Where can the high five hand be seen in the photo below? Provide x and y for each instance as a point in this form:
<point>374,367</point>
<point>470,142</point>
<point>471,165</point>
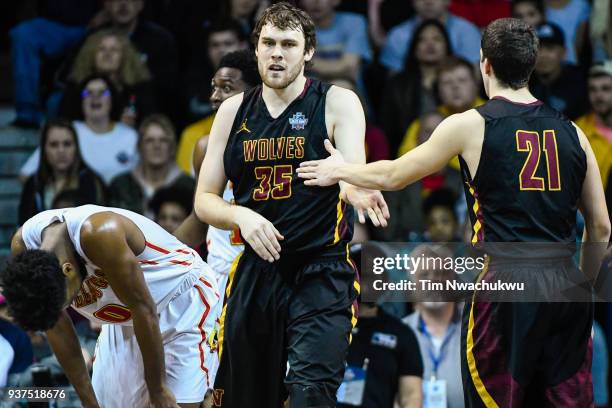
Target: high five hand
<point>321,172</point>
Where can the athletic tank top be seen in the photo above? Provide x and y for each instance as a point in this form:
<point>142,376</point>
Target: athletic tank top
<point>168,265</point>
<point>261,158</point>
<point>529,178</point>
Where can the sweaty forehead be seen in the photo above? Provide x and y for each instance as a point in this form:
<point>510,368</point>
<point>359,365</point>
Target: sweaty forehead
<point>271,31</point>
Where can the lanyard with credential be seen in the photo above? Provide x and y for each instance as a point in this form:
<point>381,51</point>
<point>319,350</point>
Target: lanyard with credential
<point>430,350</point>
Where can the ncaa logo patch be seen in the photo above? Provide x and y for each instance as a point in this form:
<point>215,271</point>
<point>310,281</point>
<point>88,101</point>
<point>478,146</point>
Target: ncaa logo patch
<point>298,121</point>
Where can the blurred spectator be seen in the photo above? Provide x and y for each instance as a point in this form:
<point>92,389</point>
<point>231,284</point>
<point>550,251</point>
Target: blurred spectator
<point>530,11</point>
<point>170,206</point>
<point>599,369</point>
<point>109,52</point>
<point>601,30</point>
<point>156,168</point>
<point>243,11</point>
<point>464,36</point>
<point>342,41</point>
<point>62,168</point>
<point>457,91</point>
<point>33,42</point>
<point>67,199</point>
<point>559,85</point>
<point>99,132</point>
<point>411,92</point>
<point>155,44</point>
<point>6,360</point>
<point>440,216</point>
<point>480,12</point>
<point>19,342</point>
<point>438,330</point>
<point>237,71</point>
<point>572,16</point>
<point>597,125</point>
<point>436,322</point>
<point>383,361</point>
<point>223,37</point>
<point>376,144</point>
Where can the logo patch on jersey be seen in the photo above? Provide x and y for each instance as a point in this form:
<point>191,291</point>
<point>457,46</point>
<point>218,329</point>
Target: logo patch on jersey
<point>298,121</point>
<point>243,127</point>
<point>384,340</point>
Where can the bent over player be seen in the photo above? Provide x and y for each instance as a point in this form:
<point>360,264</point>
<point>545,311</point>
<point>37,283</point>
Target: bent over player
<point>527,170</point>
<point>152,294</point>
<point>290,294</point>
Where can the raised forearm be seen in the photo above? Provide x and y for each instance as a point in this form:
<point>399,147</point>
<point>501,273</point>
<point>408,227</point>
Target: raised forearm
<point>65,344</point>
<point>376,176</point>
<point>148,336</point>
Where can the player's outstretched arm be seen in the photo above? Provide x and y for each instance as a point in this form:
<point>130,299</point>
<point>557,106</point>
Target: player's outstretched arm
<point>209,205</point>
<point>595,212</point>
<point>447,141</point>
<point>344,112</point>
<point>111,241</point>
<point>65,344</point>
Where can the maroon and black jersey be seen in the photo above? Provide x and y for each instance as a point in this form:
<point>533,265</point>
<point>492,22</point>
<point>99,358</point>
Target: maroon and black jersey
<point>261,158</point>
<point>530,175</point>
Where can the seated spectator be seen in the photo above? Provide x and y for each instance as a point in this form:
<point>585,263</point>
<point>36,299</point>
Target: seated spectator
<point>155,44</point>
<point>223,37</point>
<point>572,17</point>
<point>558,85</point>
<point>411,92</point>
<point>61,168</point>
<point>597,124</point>
<point>243,11</point>
<point>440,216</point>
<point>67,199</point>
<point>156,169</point>
<point>61,26</point>
<point>19,342</point>
<point>600,31</point>
<point>599,368</point>
<point>7,354</point>
<point>237,71</point>
<point>464,36</point>
<point>170,206</point>
<point>110,53</point>
<point>342,42</point>
<point>530,11</point>
<point>108,147</point>
<point>480,12</point>
<point>384,354</point>
<point>457,92</point>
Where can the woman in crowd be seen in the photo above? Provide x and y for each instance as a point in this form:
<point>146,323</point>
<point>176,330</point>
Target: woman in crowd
<point>411,92</point>
<point>110,53</point>
<point>156,169</point>
<point>108,146</point>
<point>61,168</point>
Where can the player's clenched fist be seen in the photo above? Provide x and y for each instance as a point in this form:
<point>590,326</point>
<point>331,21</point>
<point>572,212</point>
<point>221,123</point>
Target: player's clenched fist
<point>164,399</point>
<point>260,233</point>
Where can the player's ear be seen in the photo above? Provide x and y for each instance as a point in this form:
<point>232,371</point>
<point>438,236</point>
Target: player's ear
<point>309,54</point>
<point>69,270</point>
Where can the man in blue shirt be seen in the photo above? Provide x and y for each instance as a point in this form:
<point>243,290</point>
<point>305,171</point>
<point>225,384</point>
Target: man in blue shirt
<point>464,36</point>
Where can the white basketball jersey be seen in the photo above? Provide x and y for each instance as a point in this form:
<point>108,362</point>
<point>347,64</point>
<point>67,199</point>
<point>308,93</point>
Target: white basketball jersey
<point>168,266</point>
<point>223,246</point>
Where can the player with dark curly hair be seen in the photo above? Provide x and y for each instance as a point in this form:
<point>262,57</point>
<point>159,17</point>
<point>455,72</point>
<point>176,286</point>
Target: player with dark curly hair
<point>153,295</point>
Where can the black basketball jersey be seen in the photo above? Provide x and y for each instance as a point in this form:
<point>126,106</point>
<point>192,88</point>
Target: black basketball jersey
<point>261,159</point>
<point>530,175</point>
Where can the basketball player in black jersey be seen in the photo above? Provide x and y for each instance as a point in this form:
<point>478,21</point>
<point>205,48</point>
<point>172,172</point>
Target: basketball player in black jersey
<point>290,294</point>
<point>514,354</point>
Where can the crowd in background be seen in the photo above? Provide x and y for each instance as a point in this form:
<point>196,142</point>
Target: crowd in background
<point>121,92</point>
